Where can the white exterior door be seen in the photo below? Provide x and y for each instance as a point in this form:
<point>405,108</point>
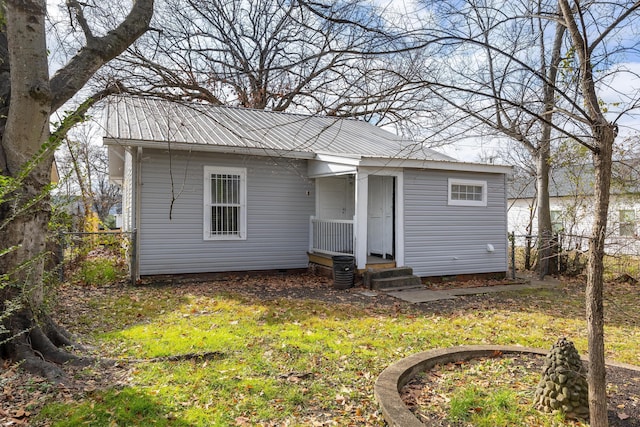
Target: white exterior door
<point>380,217</point>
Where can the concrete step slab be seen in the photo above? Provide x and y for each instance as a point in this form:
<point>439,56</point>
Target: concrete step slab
<point>392,272</point>
<point>401,288</point>
<point>396,282</point>
<point>426,295</point>
<point>384,273</point>
<point>420,295</point>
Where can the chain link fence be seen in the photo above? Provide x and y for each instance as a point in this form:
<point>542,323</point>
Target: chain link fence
<point>86,255</point>
<point>567,254</point>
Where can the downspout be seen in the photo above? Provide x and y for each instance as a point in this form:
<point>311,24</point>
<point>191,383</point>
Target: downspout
<point>505,200</point>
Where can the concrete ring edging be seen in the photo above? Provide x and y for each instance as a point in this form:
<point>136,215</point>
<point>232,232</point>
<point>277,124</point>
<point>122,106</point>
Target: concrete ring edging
<point>393,378</point>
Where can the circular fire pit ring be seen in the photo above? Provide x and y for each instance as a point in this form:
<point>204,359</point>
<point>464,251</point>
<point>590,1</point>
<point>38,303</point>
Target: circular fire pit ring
<point>393,378</point>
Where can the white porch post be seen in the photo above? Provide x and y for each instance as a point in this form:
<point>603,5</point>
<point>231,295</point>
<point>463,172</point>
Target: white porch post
<point>360,226</point>
<point>399,225</point>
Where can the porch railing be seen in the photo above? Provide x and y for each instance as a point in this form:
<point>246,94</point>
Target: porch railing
<point>331,236</point>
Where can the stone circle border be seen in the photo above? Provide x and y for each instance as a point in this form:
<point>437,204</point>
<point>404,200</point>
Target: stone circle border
<point>393,378</point>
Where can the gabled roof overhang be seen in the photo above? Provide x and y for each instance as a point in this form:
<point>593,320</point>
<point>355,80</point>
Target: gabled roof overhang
<point>208,148</point>
<point>434,165</point>
<point>320,164</point>
<point>351,163</point>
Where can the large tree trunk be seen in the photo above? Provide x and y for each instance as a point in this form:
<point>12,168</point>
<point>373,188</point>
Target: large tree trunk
<point>595,281</point>
<point>25,216</point>
<point>543,155</point>
<point>26,131</point>
<point>543,167</point>
<point>603,135</point>
<point>26,155</point>
<point>28,160</point>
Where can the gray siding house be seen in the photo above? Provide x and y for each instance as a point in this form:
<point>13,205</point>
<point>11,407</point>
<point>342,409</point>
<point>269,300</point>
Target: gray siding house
<point>219,189</point>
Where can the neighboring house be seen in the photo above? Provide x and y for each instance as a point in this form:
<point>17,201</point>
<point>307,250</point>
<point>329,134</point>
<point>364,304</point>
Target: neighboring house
<point>571,204</point>
<point>216,189</point>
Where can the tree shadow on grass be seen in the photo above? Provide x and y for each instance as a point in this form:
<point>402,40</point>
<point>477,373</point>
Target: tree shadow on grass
<point>566,301</point>
<point>123,407</point>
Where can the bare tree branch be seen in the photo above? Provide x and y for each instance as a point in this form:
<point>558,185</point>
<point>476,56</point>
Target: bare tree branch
<point>67,81</point>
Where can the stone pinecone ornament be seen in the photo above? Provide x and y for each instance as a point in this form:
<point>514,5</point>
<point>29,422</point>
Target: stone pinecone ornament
<point>563,385</point>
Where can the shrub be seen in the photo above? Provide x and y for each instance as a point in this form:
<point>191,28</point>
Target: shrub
<point>98,271</point>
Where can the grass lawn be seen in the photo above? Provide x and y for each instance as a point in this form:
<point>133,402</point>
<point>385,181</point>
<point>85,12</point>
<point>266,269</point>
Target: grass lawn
<point>290,351</point>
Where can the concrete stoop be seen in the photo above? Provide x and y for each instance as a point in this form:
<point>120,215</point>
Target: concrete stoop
<point>400,278</point>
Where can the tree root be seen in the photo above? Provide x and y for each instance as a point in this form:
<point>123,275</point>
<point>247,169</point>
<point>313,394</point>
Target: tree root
<point>43,349</point>
<point>40,349</point>
<point>209,355</point>
<point>59,336</point>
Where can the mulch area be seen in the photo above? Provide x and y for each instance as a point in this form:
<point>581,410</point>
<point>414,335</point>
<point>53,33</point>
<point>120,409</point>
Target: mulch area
<point>23,394</point>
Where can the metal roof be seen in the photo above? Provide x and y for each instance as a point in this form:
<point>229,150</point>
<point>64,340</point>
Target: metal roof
<point>141,120</point>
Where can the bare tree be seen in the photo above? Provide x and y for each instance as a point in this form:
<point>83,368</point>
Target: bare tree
<point>493,78</point>
<point>498,75</point>
<point>522,186</point>
<point>106,195</point>
<point>277,55</point>
<point>26,153</point>
<point>83,166</point>
<point>589,29</point>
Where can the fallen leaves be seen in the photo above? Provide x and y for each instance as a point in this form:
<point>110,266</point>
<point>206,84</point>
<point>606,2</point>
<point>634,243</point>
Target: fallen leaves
<point>623,416</point>
<point>427,395</point>
<point>242,421</point>
<point>290,300</point>
<point>341,399</point>
<point>23,394</point>
<point>14,418</point>
<point>296,377</point>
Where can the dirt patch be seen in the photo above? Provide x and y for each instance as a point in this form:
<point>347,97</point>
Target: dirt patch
<point>267,287</point>
<point>472,283</point>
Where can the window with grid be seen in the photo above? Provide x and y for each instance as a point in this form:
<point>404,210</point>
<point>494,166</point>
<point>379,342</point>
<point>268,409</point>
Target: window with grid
<point>467,193</point>
<point>627,222</point>
<point>225,196</point>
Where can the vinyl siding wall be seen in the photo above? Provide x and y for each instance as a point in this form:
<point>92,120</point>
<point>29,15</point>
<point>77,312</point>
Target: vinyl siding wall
<point>443,240</point>
<point>280,200</point>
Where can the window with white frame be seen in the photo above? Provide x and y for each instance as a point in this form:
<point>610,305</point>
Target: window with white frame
<point>627,222</point>
<point>225,195</point>
<point>467,192</point>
